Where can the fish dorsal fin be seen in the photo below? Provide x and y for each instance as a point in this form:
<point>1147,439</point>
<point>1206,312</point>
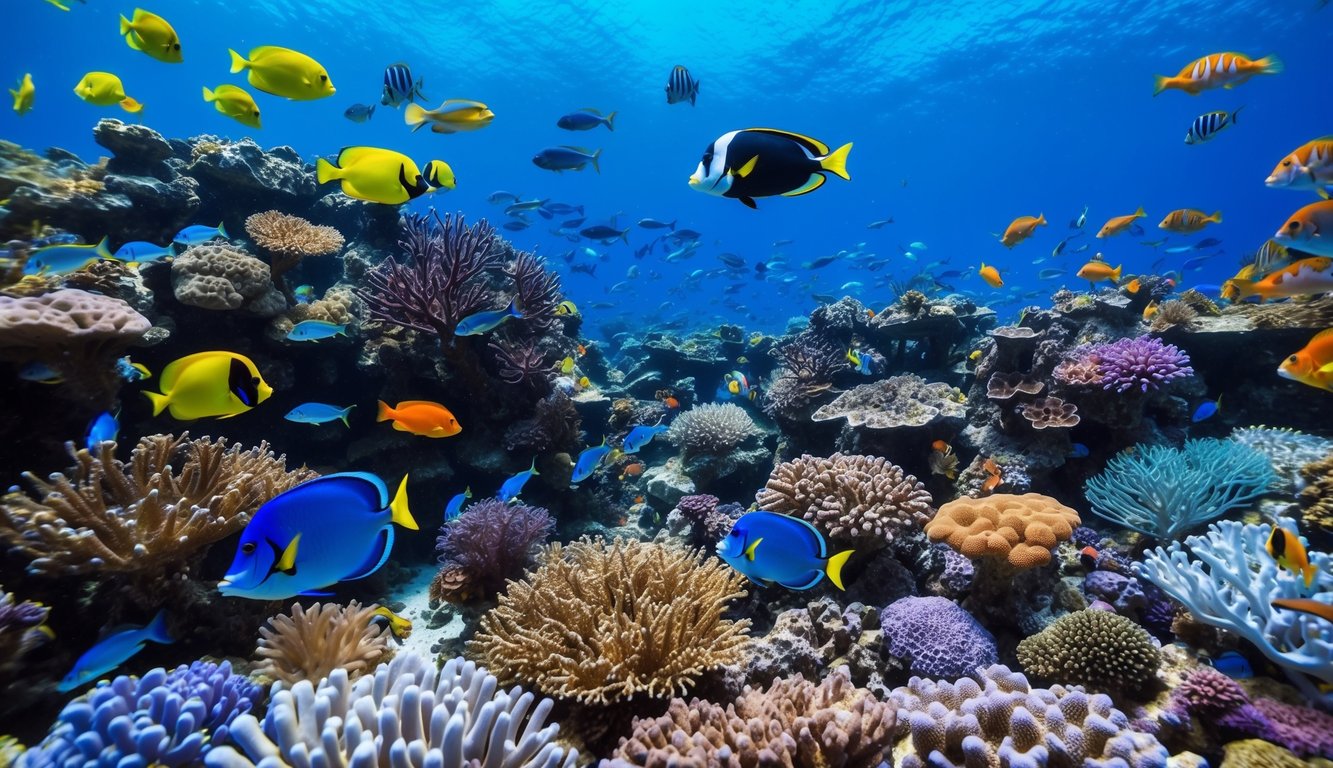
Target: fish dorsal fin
<point>1325,335</point>
<point>750,550</point>
<point>286,563</point>
<point>268,50</point>
<point>173,371</point>
<point>352,155</point>
<point>411,403</point>
<point>378,556</point>
<point>748,168</point>
<point>815,146</point>
<point>229,89</point>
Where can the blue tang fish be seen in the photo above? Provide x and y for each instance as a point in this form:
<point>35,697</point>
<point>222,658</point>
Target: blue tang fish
<point>641,436</point>
<point>860,363</point>
<point>588,460</point>
<point>330,529</point>
<point>129,370</point>
<point>198,233</point>
<point>314,330</point>
<point>514,485</point>
<point>455,506</point>
<point>1206,410</point>
<point>105,426</point>
<point>478,323</point>
<point>64,259</point>
<point>114,650</point>
<point>143,252</point>
<point>318,413</point>
<point>1078,451</point>
<point>1233,665</point>
<point>770,548</point>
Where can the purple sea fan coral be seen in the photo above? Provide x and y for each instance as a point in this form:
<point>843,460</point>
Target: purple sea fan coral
<point>521,363</point>
<point>537,289</point>
<point>937,637</point>
<point>493,541</point>
<point>1144,363</point>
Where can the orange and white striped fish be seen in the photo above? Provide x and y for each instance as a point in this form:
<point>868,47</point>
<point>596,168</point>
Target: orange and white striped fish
<point>1189,220</point>
<point>1309,167</point>
<point>1306,277</point>
<point>1217,70</point>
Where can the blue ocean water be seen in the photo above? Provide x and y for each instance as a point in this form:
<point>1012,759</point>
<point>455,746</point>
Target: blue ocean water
<point>964,115</point>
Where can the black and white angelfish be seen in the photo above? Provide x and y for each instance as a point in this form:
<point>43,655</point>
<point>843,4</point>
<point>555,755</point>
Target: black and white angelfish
<point>399,86</point>
<point>681,86</point>
<point>1206,126</point>
<point>762,162</point>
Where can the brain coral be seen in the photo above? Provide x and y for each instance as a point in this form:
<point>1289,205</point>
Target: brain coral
<point>221,277</point>
<point>711,428</point>
<point>898,401</point>
<point>67,317</point>
<point>863,498</point>
<point>1100,649</point>
<point>937,637</point>
<point>1022,529</point>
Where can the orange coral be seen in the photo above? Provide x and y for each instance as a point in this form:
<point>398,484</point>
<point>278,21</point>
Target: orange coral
<point>1022,529</point>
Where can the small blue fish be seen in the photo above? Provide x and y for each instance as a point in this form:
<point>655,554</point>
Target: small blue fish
<point>304,294</point>
<point>770,548</point>
<point>359,113</point>
<point>455,506</point>
<point>641,436</point>
<point>586,120</point>
<point>1078,451</point>
<point>1233,665</point>
<point>315,330</point>
<point>588,461</point>
<point>144,252</point>
<point>318,413</point>
<point>567,158</point>
<point>40,373</point>
<point>1206,410</point>
<point>129,370</point>
<point>478,323</point>
<point>198,233</point>
<point>104,427</point>
<point>860,363</point>
<point>514,485</point>
<point>64,259</point>
<point>333,528</point>
<point>114,650</point>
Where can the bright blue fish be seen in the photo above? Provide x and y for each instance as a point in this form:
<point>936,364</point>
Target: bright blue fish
<point>104,427</point>
<point>330,529</point>
<point>770,548</point>
<point>198,233</point>
<point>1233,665</point>
<point>455,506</point>
<point>480,322</point>
<point>514,485</point>
<point>113,651</point>
<point>315,330</point>
<point>1206,410</point>
<point>641,436</point>
<point>129,370</point>
<point>588,460</point>
<point>318,413</point>
<point>64,259</point>
<point>1078,451</point>
<point>144,252</point>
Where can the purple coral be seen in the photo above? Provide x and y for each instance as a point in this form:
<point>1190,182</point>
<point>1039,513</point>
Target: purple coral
<point>1125,593</point>
<point>1143,363</point>
<point>537,290</point>
<point>1218,700</point>
<point>958,571</point>
<point>493,541</point>
<point>521,363</point>
<point>709,520</point>
<point>937,637</point>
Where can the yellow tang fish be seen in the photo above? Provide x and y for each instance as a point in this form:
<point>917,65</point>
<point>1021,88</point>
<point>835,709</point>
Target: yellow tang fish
<point>234,102</point>
<point>374,174</point>
<point>284,72</point>
<point>453,116</point>
<point>567,365</point>
<point>23,96</point>
<point>210,384</point>
<point>399,627</point>
<point>151,34</point>
<point>104,90</point>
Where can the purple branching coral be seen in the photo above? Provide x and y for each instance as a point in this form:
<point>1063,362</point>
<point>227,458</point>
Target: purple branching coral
<point>22,628</point>
<point>1143,363</point>
<point>492,541</point>
<point>1218,702</point>
<point>521,363</point>
<point>553,426</point>
<point>537,290</point>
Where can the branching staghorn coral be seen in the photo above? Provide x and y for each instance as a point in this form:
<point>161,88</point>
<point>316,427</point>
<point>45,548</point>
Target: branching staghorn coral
<point>711,428</point>
<point>310,643</point>
<point>174,497</point>
<point>601,622</point>
<point>1287,450</point>
<point>288,239</point>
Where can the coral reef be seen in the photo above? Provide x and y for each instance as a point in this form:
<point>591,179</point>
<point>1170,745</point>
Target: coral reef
<point>820,637</point>
<point>1022,530</point>
<point>1175,313</point>
<point>708,520</point>
<point>489,543</point>
<point>1287,450</point>
<point>897,402</point>
<point>22,628</point>
<point>312,642</point>
<point>599,622</point>
<point>712,428</point>
<point>1210,701</point>
<point>1317,495</point>
<point>220,277</point>
<point>289,239</point>
<point>1050,413</point>
<point>1003,386</point>
<point>553,426</point>
<point>1104,651</point>
<point>1144,363</point>
<point>936,637</point>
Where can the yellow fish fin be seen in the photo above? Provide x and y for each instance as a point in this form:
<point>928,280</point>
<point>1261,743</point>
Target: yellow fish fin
<point>209,95</point>
<point>834,568</point>
<point>415,115</point>
<point>749,551</point>
<point>238,61</point>
<point>748,168</point>
<point>130,105</point>
<point>816,181</point>
<point>287,562</point>
<point>836,163</point>
<point>159,402</point>
<point>399,513</point>
<point>326,171</point>
<point>1308,572</point>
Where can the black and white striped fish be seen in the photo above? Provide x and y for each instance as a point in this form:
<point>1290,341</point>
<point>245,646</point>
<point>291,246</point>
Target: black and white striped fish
<point>681,86</point>
<point>1206,126</point>
<point>399,86</point>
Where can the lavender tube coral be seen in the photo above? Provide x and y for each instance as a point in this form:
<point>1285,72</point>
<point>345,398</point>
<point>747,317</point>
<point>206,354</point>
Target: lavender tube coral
<point>1143,363</point>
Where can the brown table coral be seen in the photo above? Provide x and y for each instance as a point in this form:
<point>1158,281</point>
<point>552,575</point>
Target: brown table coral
<point>896,402</point>
<point>1022,529</point>
<point>289,239</point>
<point>1050,413</point>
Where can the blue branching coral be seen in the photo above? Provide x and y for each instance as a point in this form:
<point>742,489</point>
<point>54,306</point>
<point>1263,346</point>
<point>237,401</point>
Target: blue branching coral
<point>1164,492</point>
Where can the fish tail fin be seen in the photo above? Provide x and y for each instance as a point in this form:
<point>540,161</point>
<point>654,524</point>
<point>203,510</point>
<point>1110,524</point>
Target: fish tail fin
<point>125,25</point>
<point>595,157</point>
<point>515,307</point>
<point>533,467</point>
<point>384,413</point>
<point>222,230</point>
<point>238,61</point>
<point>1308,572</point>
<point>103,250</point>
<point>347,412</point>
<point>1115,273</point>
<point>130,105</point>
<point>414,115</point>
<point>208,95</point>
<point>157,629</point>
<point>1237,112</point>
<point>1138,214</point>
<point>1159,84</point>
<point>836,161</point>
<point>326,171</point>
<point>834,568</point>
<point>611,122</point>
<point>1041,219</point>
<point>1216,218</point>
<point>1244,288</point>
<point>159,401</point>
<point>398,511</point>
<point>1270,65</point>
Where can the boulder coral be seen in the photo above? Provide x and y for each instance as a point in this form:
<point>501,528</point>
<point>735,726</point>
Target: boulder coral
<point>1102,650</point>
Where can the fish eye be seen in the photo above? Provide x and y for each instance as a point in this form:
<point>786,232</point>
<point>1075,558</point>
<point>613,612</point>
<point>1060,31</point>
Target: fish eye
<point>1292,359</point>
<point>248,548</point>
<point>1293,225</point>
<point>1286,163</point>
<point>256,113</point>
<point>175,46</point>
<point>323,78</point>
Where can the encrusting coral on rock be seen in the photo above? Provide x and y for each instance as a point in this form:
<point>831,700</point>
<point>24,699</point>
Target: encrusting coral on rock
<point>221,277</point>
<point>712,428</point>
<point>311,642</point>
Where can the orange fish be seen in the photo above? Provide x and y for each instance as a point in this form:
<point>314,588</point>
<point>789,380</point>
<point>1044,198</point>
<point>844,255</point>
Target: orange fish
<point>1302,278</point>
<point>991,275</point>
<point>1313,364</point>
<point>671,402</point>
<point>1098,271</point>
<point>991,483</point>
<point>1306,605</point>
<point>1217,70</point>
<point>1310,229</point>
<point>1117,224</point>
<point>1021,229</point>
<point>1133,286</point>
<point>582,350</point>
<point>1088,556</point>
<point>1309,167</point>
<point>420,417</point>
<point>638,499</point>
<point>870,314</point>
<point>942,447</point>
<point>1186,220</point>
<point>1150,311</point>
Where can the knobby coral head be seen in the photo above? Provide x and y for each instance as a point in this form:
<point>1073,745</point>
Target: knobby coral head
<point>1142,363</point>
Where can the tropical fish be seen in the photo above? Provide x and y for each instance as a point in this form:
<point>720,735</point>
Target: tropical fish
<point>1117,224</point>
<point>1189,220</point>
<point>399,86</point>
<point>374,175</point>
<point>129,370</point>
<point>104,427</point>
<point>566,158</point>
<point>771,548</point>
<point>681,86</point>
<point>198,233</point>
<point>399,627</point>
<point>284,72</point>
<point>860,363</point>
<point>640,436</point>
<point>762,162</point>
<point>439,175</point>
<point>485,321</point>
<point>40,373</point>
<point>1217,70</point>
<point>1312,365</point>
<point>499,196</point>
<point>1300,278</point>
<point>24,95</point>
<point>304,294</point>
<point>511,488</point>
<point>1270,256</point>
<point>151,34</point>
<point>1051,274</point>
<point>64,259</point>
<point>585,120</point>
<point>879,224</point>
<point>319,413</point>
<point>738,385</point>
<point>359,113</point>
<point>114,650</point>
<point>420,417</point>
<point>566,308</point>
<point>1098,271</point>
<point>589,459</point>
<point>1310,229</point>
<point>453,116</point>
<point>104,90</point>
<point>315,330</point>
<point>1233,665</point>
<point>333,528</point>
<point>143,252</point>
<point>991,275</point>
<point>1206,410</point>
<point>1207,126</point>
<point>632,470</point>
<point>1310,167</point>
<point>1150,311</point>
<point>207,384</point>
<point>1078,451</point>
<point>655,224</point>
<point>234,102</point>
<point>993,476</point>
<point>942,460</point>
<point>1021,229</point>
<point>1306,605</point>
<point>1082,219</point>
<point>455,506</point>
<point>1088,557</point>
<point>1288,551</point>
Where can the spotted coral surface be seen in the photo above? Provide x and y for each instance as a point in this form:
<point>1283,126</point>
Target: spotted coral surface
<point>1102,650</point>
<point>936,637</point>
<point>712,428</point>
<point>896,402</point>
